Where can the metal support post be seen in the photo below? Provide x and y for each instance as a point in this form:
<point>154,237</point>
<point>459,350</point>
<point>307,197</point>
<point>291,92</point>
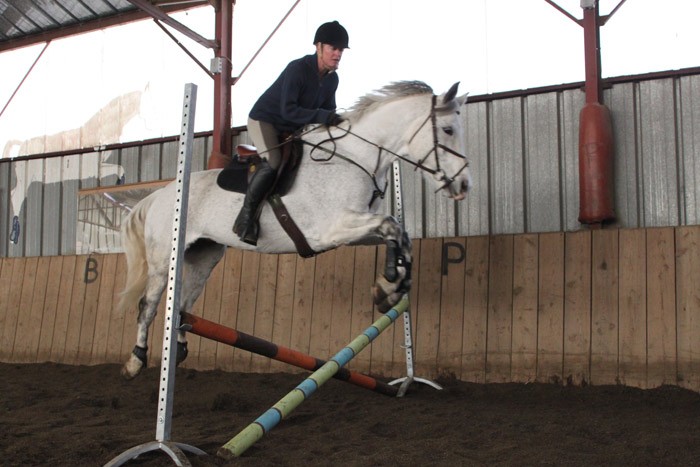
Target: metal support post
<point>172,315</point>
<point>408,341</point>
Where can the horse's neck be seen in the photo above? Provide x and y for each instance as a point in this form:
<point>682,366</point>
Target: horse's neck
<point>389,124</point>
<point>375,137</point>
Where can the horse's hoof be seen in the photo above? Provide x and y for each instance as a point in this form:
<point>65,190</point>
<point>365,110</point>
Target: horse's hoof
<point>131,368</point>
<point>388,302</point>
<point>385,298</point>
<point>181,352</point>
<point>378,294</point>
<point>126,374</point>
<point>385,286</point>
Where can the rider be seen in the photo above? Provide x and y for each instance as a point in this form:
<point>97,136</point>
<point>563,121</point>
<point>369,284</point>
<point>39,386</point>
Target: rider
<point>303,93</point>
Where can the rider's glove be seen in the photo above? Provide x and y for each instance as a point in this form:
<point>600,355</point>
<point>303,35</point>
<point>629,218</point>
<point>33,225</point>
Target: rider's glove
<point>334,119</point>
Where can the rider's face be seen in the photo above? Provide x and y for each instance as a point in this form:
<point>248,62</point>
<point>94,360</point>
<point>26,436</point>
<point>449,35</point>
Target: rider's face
<point>328,57</point>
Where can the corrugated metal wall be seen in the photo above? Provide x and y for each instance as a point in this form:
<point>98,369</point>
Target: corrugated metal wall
<point>43,193</point>
<point>524,161</point>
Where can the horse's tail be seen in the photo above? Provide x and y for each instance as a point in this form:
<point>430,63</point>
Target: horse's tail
<point>134,244</point>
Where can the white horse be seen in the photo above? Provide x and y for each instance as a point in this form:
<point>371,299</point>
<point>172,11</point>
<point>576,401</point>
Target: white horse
<point>333,201</point>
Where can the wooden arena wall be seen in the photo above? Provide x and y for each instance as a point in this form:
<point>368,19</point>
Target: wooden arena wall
<point>595,307</point>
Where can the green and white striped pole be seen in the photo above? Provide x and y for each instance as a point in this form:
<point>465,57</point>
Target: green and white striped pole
<point>267,421</point>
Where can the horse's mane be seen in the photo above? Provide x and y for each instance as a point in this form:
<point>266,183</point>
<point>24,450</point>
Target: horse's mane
<point>391,91</point>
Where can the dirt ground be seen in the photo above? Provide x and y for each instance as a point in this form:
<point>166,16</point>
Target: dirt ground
<point>62,415</point>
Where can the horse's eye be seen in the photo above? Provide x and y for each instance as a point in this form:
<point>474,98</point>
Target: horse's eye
<point>448,130</point>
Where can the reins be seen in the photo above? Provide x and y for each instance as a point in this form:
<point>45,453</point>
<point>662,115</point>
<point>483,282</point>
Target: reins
<point>420,164</point>
<point>380,192</point>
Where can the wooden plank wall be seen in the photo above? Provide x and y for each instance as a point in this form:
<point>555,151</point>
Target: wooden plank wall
<point>593,307</point>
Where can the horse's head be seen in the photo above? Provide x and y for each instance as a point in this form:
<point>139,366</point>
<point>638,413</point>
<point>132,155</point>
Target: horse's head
<point>396,120</point>
<point>438,144</point>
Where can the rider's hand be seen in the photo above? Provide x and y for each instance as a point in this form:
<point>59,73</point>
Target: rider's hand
<point>334,119</point>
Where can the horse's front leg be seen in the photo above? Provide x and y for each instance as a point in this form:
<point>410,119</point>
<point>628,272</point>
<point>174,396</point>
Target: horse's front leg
<point>396,280</point>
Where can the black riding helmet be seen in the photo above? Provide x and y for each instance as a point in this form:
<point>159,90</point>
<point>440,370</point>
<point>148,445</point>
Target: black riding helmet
<point>332,33</point>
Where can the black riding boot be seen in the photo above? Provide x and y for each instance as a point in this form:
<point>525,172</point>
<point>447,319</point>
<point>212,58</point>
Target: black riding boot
<point>246,225</point>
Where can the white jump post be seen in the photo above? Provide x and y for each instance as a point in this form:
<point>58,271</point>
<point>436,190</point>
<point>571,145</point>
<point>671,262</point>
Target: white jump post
<point>408,342</point>
<point>172,309</point>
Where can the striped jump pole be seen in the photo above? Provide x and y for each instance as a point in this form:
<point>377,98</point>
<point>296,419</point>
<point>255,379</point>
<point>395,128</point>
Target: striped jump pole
<point>267,421</point>
<point>241,340</point>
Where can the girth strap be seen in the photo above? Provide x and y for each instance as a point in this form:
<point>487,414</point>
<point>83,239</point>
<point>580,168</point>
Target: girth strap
<point>290,226</point>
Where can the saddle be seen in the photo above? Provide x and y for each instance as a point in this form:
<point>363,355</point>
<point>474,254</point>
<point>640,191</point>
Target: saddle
<point>235,176</point>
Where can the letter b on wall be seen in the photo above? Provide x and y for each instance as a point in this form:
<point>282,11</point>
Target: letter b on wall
<point>90,270</point>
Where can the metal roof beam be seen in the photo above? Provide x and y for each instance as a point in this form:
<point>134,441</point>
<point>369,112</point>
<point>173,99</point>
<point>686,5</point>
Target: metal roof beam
<point>91,25</point>
<point>7,104</point>
<point>160,15</point>
<point>184,49</point>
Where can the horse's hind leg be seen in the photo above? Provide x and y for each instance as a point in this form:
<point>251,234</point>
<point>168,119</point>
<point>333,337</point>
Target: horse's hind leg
<point>148,306</point>
<point>396,280</point>
<point>200,259</point>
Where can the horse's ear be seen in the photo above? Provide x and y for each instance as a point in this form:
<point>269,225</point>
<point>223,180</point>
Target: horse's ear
<point>461,100</point>
<point>449,95</point>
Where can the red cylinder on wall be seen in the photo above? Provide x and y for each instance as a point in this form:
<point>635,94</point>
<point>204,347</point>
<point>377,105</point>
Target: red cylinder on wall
<point>595,165</point>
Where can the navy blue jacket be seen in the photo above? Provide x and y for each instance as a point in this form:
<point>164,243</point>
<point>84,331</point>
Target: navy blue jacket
<point>297,97</point>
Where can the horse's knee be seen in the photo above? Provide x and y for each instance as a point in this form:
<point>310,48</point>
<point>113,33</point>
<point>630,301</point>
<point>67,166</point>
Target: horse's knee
<point>390,229</point>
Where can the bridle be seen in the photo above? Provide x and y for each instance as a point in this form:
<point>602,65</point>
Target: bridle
<point>437,145</point>
<point>420,164</point>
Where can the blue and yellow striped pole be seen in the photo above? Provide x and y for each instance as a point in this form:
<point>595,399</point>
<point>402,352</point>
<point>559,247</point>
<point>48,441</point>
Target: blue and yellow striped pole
<point>267,421</point>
